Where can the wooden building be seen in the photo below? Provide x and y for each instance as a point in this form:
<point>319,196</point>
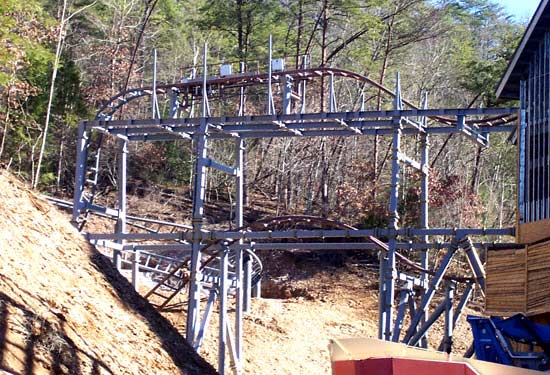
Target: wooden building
<point>518,280</point>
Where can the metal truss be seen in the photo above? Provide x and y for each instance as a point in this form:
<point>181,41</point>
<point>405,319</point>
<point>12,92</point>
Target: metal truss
<point>220,261</point>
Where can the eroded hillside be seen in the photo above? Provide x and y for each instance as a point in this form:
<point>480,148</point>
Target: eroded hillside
<point>64,310</point>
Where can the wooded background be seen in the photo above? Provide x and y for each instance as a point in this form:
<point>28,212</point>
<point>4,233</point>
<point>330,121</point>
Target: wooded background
<point>60,60</point>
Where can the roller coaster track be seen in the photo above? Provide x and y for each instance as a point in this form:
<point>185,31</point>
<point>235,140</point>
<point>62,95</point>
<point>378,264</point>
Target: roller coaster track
<point>174,270</point>
<point>271,223</point>
<point>171,273</point>
<point>192,86</point>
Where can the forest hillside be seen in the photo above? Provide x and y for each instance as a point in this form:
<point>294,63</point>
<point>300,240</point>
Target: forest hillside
<point>61,60</point>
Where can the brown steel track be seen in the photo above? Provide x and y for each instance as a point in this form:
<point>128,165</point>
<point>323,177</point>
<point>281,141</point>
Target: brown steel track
<point>249,79</point>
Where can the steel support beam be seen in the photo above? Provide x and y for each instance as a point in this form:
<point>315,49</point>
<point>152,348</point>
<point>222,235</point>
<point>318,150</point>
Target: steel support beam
<point>459,310</point>
<point>418,333</point>
<point>223,319</point>
<point>80,172</point>
<point>427,298</point>
<point>199,189</point>
<point>449,322</point>
<point>424,207</point>
<point>122,197</point>
<point>404,296</point>
<point>474,262</point>
<point>239,222</point>
<point>521,142</point>
<point>388,271</point>
<point>206,319</point>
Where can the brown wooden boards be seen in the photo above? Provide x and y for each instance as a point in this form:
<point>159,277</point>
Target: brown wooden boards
<point>532,232</point>
<point>518,281</point>
<point>505,291</point>
<point>538,278</point>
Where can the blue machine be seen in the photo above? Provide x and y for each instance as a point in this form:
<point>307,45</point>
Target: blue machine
<point>492,341</point>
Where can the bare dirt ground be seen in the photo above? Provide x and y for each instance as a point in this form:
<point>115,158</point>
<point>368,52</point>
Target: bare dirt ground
<point>309,302</point>
<point>64,310</point>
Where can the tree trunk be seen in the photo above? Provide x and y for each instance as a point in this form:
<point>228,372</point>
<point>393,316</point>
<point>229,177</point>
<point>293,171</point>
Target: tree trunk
<point>299,35</point>
<point>58,49</point>
<point>376,140</point>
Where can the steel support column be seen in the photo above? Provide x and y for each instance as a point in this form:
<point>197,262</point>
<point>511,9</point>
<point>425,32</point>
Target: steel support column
<point>458,311</point>
<point>270,103</point>
<point>427,298</point>
<point>404,296</point>
<point>206,319</point>
<point>122,197</point>
<point>522,131</point>
<point>174,103</point>
<point>154,100</point>
<point>387,275</point>
<point>80,172</point>
<point>424,199</point>
<point>449,322</point>
<point>223,334</point>
<point>135,269</point>
<point>199,189</point>
<point>287,95</point>
<point>239,222</point>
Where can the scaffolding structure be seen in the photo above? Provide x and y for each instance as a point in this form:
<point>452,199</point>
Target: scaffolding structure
<point>222,262</point>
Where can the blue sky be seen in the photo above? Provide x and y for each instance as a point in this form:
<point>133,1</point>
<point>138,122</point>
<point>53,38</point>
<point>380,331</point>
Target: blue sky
<point>522,10</point>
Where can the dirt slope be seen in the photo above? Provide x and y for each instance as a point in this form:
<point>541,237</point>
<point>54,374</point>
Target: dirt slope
<point>63,310</point>
<point>307,303</point>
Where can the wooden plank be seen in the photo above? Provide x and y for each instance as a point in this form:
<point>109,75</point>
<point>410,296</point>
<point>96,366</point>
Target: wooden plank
<point>505,291</point>
<point>535,231</point>
<point>538,278</point>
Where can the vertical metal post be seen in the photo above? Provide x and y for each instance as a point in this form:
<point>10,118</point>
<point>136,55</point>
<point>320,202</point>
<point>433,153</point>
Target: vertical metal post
<point>270,104</point>
<point>80,172</point>
<point>458,311</point>
<point>449,326</point>
<point>192,107</point>
<point>389,271</point>
<point>404,296</point>
<point>241,92</point>
<point>244,295</point>
<point>122,197</point>
<point>199,188</point>
<point>532,146</point>
<point>424,200</point>
<point>135,269</point>
<point>521,150</point>
<point>247,283</point>
<point>382,258</point>
<point>222,339</point>
<point>287,95</point>
<point>304,89</point>
<point>257,291</point>
<point>154,100</point>
<point>332,95</point>
<point>174,103</point>
<point>239,222</point>
<point>434,285</point>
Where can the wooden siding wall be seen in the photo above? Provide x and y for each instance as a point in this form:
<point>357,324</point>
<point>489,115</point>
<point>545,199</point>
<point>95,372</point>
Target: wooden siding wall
<point>518,281</point>
<point>538,278</point>
<point>505,290</point>
<point>533,232</point>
